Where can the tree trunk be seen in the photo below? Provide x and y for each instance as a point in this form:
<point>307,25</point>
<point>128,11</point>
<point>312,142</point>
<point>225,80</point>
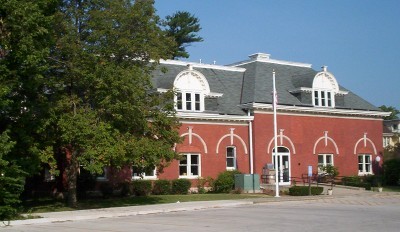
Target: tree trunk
<point>72,177</point>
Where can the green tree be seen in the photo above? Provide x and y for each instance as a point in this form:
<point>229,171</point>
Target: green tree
<point>25,40</point>
<point>11,181</point>
<point>105,112</point>
<point>183,27</point>
<point>393,110</point>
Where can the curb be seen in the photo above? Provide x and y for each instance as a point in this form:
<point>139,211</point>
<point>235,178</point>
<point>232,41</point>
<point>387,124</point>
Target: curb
<point>123,212</point>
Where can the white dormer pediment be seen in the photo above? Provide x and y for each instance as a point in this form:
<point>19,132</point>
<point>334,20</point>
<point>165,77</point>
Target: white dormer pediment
<point>192,80</point>
<point>325,81</point>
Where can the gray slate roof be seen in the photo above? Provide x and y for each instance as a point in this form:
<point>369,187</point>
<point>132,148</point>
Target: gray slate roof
<point>255,85</point>
<point>229,83</point>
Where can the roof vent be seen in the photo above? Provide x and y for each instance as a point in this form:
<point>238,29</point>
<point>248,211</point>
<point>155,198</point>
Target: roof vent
<point>324,68</point>
<point>260,56</point>
<point>190,67</point>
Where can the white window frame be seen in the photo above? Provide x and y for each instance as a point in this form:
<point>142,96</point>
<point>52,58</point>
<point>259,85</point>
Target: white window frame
<point>143,175</point>
<point>327,100</point>
<point>364,164</point>
<point>188,165</point>
<point>234,158</point>
<point>324,161</point>
<point>193,102</point>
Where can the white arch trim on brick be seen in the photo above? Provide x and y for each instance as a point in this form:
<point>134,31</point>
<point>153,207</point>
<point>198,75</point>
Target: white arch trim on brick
<point>232,135</point>
<point>326,138</point>
<point>190,134</point>
<point>365,140</point>
<point>281,137</point>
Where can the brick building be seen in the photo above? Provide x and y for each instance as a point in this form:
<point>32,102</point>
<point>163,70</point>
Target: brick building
<point>227,120</point>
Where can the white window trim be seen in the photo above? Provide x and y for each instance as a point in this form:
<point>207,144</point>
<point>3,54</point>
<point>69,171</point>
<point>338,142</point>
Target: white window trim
<point>143,175</point>
<point>188,165</point>
<point>324,161</point>
<point>363,172</point>
<point>326,99</point>
<point>193,102</point>
<point>234,159</point>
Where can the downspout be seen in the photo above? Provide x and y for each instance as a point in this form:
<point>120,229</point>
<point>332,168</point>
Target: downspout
<point>251,144</point>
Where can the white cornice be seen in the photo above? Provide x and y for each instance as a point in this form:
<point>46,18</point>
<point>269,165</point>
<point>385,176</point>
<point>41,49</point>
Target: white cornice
<point>218,117</point>
<point>200,65</point>
<point>318,110</point>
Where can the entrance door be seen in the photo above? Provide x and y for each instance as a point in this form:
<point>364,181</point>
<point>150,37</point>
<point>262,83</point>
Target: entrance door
<point>283,166</point>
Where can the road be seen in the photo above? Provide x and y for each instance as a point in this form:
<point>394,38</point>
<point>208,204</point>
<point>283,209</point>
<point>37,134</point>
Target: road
<point>374,212</point>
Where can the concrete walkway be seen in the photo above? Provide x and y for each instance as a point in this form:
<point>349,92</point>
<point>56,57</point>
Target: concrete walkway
<point>174,207</point>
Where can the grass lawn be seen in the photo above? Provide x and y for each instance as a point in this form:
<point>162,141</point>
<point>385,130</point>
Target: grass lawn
<point>51,205</point>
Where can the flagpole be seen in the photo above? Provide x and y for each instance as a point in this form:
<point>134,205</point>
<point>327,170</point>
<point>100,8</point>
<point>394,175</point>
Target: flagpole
<point>275,136</point>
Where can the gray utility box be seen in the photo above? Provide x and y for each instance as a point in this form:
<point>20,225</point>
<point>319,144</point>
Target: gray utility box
<point>248,183</point>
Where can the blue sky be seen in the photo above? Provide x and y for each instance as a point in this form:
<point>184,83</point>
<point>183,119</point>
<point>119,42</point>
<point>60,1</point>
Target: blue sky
<point>359,40</point>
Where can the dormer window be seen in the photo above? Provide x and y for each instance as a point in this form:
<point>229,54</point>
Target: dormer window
<point>191,87</point>
<point>189,101</point>
<point>325,87</point>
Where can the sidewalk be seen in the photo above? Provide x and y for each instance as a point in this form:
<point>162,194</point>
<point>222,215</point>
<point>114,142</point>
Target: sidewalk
<point>173,207</point>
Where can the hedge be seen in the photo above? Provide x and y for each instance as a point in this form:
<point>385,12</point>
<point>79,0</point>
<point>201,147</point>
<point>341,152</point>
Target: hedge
<point>180,186</point>
<point>162,187</point>
<point>303,190</point>
<point>141,187</point>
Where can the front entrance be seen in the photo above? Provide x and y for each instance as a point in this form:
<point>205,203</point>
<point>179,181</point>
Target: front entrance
<point>283,166</point>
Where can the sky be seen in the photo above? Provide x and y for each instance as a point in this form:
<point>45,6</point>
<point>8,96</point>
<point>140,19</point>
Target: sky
<point>359,40</point>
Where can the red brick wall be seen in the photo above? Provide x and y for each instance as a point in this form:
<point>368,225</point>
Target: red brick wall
<point>211,162</point>
<point>304,131</point>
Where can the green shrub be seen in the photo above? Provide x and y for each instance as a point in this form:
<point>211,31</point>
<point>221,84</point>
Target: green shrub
<point>303,190</point>
<point>391,172</point>
<point>162,187</point>
<point>141,187</point>
<point>181,186</point>
<point>355,181</point>
<point>225,182</point>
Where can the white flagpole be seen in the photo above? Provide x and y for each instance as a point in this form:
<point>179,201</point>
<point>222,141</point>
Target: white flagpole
<point>275,95</point>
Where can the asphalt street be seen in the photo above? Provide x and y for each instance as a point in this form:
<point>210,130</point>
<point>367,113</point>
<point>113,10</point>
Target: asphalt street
<point>361,212</point>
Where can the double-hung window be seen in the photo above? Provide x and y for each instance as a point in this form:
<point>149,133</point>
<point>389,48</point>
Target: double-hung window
<point>323,98</point>
<point>230,158</point>
<point>189,101</point>
<point>189,166</point>
<point>364,164</point>
<point>324,160</point>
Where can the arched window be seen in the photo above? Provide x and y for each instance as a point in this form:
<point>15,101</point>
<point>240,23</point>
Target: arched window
<point>325,87</point>
<point>191,86</point>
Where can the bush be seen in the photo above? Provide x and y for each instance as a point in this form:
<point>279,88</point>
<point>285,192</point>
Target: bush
<point>162,187</point>
<point>303,190</point>
<point>141,187</point>
<point>181,186</point>
<point>391,172</point>
<point>355,181</point>
<point>225,182</point>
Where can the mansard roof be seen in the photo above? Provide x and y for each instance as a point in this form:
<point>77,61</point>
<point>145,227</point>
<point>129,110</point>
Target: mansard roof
<point>221,79</point>
<point>250,82</point>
